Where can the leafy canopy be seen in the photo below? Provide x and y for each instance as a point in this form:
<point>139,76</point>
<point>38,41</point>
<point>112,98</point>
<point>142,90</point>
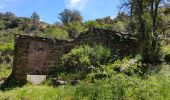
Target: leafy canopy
<point>67,16</point>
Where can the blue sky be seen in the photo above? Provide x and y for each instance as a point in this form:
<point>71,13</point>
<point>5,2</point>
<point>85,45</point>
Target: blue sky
<point>49,9</point>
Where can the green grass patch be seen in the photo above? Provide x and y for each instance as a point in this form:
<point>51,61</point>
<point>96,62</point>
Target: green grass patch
<point>38,93</point>
<point>119,86</point>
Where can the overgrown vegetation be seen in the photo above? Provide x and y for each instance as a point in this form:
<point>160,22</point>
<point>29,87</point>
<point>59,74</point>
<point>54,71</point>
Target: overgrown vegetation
<point>86,58</point>
<point>119,86</point>
<point>101,76</point>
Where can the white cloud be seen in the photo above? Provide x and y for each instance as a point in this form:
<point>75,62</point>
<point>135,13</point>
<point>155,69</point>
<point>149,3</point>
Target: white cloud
<point>76,4</point>
<point>73,3</point>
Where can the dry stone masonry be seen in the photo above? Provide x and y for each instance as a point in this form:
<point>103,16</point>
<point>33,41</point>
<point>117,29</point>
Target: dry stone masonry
<point>38,56</point>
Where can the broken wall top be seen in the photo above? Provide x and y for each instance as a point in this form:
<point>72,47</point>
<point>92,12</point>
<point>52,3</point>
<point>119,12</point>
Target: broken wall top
<point>105,35</point>
<point>43,39</point>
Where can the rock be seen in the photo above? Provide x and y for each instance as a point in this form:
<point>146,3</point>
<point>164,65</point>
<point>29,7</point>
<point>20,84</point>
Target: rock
<point>57,82</point>
<point>2,80</point>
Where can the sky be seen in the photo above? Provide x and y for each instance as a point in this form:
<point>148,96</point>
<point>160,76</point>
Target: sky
<point>48,10</point>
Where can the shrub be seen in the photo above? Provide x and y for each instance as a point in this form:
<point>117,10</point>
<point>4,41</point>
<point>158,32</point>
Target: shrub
<point>74,29</point>
<point>5,71</point>
<point>91,24</point>
<point>127,66</point>
<point>85,58</point>
<point>96,24</point>
<point>8,47</point>
<point>56,33</point>
<point>123,87</point>
<point>166,49</point>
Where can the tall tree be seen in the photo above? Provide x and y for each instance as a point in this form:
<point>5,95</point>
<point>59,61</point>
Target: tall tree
<point>67,16</point>
<point>145,12</point>
<point>35,16</point>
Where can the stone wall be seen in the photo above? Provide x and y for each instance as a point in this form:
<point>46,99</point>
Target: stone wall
<point>38,55</point>
<point>122,44</point>
<point>20,61</point>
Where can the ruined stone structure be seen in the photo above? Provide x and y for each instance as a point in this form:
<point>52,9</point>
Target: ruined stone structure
<point>122,44</point>
<point>38,56</point>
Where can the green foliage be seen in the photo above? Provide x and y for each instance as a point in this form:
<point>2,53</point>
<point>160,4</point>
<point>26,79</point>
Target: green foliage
<point>70,76</point>
<point>123,87</point>
<point>38,92</point>
<point>7,16</point>
<point>8,47</point>
<point>122,16</point>
<point>98,24</point>
<point>105,20</point>
<point>2,24</point>
<point>120,23</point>
<point>5,70</point>
<point>68,16</point>
<point>126,66</point>
<point>56,33</point>
<point>119,86</point>
<point>119,26</point>
<point>74,29</point>
<point>166,49</point>
<point>35,16</point>
<point>91,24</point>
<point>83,58</point>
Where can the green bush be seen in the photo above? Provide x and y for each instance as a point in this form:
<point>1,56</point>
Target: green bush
<point>127,66</point>
<point>122,87</point>
<point>85,58</point>
<point>166,49</point>
<point>96,24</point>
<point>74,29</point>
<point>7,36</point>
<point>8,47</point>
<point>5,70</point>
<point>119,26</point>
<point>56,33</point>
<point>91,24</point>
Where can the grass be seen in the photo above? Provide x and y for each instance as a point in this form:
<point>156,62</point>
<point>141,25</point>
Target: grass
<point>41,92</point>
<point>120,86</point>
<point>4,71</point>
<point>165,70</point>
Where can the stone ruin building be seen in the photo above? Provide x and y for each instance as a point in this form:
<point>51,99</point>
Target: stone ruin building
<point>38,56</point>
